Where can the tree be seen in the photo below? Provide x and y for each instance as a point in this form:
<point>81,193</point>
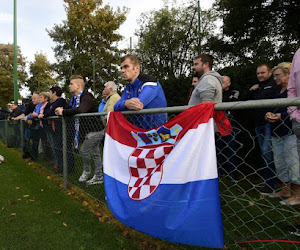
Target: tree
<point>42,74</point>
<point>86,41</point>
<point>259,30</point>
<point>168,39</point>
<point>7,72</point>
<point>168,42</point>
<point>254,32</point>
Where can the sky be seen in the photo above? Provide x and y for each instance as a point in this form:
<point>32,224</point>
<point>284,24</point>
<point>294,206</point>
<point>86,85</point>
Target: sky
<point>35,16</point>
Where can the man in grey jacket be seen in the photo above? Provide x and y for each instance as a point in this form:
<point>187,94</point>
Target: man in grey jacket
<point>209,88</point>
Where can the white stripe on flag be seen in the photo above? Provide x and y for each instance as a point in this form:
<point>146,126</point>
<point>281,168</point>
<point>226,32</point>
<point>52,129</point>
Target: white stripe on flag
<point>192,159</point>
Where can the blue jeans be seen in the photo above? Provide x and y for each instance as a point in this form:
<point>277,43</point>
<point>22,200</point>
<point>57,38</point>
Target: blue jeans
<point>263,133</point>
<point>286,158</point>
<point>50,137</point>
<point>226,154</point>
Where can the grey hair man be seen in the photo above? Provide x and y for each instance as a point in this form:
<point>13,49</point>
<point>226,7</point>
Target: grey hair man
<point>112,98</point>
<point>91,144</point>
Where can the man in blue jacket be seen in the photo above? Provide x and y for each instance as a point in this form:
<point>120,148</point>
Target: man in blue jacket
<point>142,92</point>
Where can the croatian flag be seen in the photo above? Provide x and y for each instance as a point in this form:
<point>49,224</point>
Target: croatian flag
<point>164,181</point>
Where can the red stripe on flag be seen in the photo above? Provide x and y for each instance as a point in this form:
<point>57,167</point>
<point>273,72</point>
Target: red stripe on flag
<point>120,129</point>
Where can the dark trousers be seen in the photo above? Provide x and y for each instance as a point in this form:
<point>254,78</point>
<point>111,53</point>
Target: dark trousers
<point>58,138</point>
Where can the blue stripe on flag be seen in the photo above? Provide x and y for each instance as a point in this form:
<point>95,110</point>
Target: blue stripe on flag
<point>184,213</point>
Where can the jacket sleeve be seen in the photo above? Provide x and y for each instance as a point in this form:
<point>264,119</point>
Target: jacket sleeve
<point>47,110</point>
<point>120,105</point>
<point>148,93</point>
<point>109,106</point>
<point>86,103</point>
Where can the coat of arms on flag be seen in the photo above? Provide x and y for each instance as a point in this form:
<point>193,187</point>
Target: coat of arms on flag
<point>146,161</point>
<point>164,181</point>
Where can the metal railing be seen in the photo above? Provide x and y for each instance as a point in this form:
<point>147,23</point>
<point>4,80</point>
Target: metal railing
<point>247,214</point>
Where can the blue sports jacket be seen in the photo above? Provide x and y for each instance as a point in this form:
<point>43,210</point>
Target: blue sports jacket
<point>150,93</point>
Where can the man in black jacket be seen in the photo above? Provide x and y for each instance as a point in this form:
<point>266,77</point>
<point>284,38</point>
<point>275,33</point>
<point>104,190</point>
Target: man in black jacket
<point>264,89</point>
<point>15,110</point>
<point>81,102</point>
<point>53,128</point>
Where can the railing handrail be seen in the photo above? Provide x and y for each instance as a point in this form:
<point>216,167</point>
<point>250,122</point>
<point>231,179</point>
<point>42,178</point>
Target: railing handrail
<point>251,104</point>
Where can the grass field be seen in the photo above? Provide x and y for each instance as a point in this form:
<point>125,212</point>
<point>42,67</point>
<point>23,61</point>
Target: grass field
<point>37,214</point>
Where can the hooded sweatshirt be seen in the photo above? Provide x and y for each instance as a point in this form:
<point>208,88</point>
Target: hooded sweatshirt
<point>294,86</point>
<point>209,88</point>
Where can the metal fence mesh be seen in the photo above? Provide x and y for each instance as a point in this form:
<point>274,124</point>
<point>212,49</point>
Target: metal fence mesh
<point>247,214</point>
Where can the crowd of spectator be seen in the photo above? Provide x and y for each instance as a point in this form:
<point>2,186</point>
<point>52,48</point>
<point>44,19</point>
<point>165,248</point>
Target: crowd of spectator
<point>277,130</point>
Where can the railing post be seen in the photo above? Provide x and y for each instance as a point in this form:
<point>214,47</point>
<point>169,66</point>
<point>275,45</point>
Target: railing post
<point>6,132</point>
<point>22,134</point>
<point>65,163</point>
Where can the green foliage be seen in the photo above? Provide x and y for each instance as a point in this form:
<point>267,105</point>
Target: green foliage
<point>259,30</point>
<point>254,32</point>
<point>86,41</point>
<point>168,39</point>
<point>7,72</point>
<point>168,42</point>
<point>177,90</point>
<point>42,74</point>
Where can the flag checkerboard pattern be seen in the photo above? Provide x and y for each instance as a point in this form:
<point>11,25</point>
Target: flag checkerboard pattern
<point>146,169</point>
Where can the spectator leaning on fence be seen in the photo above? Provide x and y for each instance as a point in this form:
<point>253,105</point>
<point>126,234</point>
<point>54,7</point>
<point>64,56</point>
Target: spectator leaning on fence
<point>294,91</point>
<point>54,127</point>
<point>29,108</point>
<point>209,88</point>
<point>284,141</point>
<point>264,89</point>
<point>227,146</point>
<point>103,101</point>
<point>81,102</point>
<point>45,98</point>
<point>111,99</point>
<point>91,144</point>
<point>34,126</point>
<point>15,110</point>
<point>142,92</point>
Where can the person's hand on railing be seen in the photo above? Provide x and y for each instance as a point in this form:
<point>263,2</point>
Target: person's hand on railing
<point>134,104</point>
<point>254,87</point>
<point>271,117</point>
<point>59,111</point>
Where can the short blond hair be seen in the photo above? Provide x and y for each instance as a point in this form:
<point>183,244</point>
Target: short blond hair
<point>284,66</point>
<point>80,78</point>
<point>46,95</point>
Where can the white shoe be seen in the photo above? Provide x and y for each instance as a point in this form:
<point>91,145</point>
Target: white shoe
<point>95,180</point>
<point>84,177</point>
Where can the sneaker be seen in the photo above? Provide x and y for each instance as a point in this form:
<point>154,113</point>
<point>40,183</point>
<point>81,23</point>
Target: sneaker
<point>84,177</point>
<point>279,195</point>
<point>95,180</point>
<point>294,230</point>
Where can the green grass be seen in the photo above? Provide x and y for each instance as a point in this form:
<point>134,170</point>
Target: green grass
<point>37,214</point>
<point>249,216</point>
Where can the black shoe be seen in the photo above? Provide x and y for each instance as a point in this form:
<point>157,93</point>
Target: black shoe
<point>295,230</point>
<point>25,156</point>
<point>266,191</point>
<point>32,159</point>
